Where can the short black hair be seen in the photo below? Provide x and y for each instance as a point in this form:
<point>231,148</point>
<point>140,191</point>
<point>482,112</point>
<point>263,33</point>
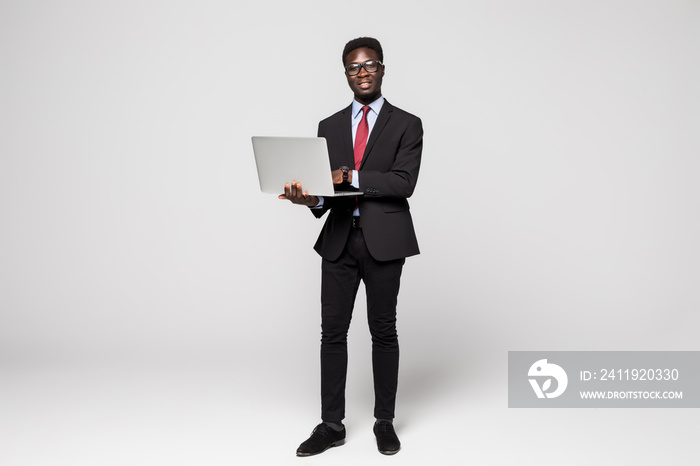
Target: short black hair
<point>369,42</point>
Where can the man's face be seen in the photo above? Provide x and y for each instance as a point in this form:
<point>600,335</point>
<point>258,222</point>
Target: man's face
<point>367,87</point>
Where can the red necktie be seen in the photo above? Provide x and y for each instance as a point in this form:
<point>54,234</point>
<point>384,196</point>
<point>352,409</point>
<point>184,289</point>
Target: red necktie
<point>361,137</point>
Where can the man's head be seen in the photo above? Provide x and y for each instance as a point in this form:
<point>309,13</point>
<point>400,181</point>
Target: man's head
<point>365,83</point>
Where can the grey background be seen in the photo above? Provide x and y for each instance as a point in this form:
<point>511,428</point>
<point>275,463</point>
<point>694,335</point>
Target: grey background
<point>155,308</point>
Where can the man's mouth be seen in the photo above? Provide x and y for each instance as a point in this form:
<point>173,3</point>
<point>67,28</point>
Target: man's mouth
<point>364,84</point>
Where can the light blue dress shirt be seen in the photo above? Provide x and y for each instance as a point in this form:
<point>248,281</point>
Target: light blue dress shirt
<point>372,114</point>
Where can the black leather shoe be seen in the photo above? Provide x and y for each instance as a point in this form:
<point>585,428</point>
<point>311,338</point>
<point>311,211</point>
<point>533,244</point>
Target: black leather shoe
<point>322,438</point>
<point>387,441</point>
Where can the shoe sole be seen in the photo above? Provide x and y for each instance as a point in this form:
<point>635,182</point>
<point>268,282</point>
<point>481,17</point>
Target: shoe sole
<point>334,444</point>
<point>389,452</point>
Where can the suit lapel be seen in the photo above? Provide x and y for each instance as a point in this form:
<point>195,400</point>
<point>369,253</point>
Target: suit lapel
<point>347,137</point>
<point>382,120</point>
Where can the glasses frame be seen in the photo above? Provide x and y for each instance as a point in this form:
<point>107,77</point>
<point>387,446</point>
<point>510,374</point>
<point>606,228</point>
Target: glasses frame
<point>362,65</point>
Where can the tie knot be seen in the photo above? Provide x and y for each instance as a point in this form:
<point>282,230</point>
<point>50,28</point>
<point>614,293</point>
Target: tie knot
<point>365,109</point>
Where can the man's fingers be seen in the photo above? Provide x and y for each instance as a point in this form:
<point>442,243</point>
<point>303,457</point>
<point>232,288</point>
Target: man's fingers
<point>294,193</point>
<point>287,193</point>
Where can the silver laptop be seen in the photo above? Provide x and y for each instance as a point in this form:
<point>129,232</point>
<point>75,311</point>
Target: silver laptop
<point>282,160</point>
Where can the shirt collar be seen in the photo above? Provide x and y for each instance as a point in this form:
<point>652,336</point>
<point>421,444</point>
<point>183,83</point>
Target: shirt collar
<point>376,106</point>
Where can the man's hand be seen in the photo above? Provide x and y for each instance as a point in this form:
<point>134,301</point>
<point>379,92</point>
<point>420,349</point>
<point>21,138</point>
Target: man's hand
<point>338,176</point>
<point>294,193</point>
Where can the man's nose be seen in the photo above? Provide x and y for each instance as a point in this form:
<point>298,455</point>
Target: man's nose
<point>363,71</point>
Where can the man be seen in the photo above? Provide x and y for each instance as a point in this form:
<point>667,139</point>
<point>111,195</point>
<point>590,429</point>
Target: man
<point>366,238</point>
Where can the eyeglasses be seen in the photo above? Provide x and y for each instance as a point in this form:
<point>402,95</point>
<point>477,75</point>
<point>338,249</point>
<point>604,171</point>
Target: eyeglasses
<point>371,66</point>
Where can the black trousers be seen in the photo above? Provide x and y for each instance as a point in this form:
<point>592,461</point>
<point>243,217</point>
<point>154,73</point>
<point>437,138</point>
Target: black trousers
<point>340,280</point>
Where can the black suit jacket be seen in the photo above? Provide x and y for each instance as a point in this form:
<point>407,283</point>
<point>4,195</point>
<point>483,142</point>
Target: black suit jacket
<point>388,176</point>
